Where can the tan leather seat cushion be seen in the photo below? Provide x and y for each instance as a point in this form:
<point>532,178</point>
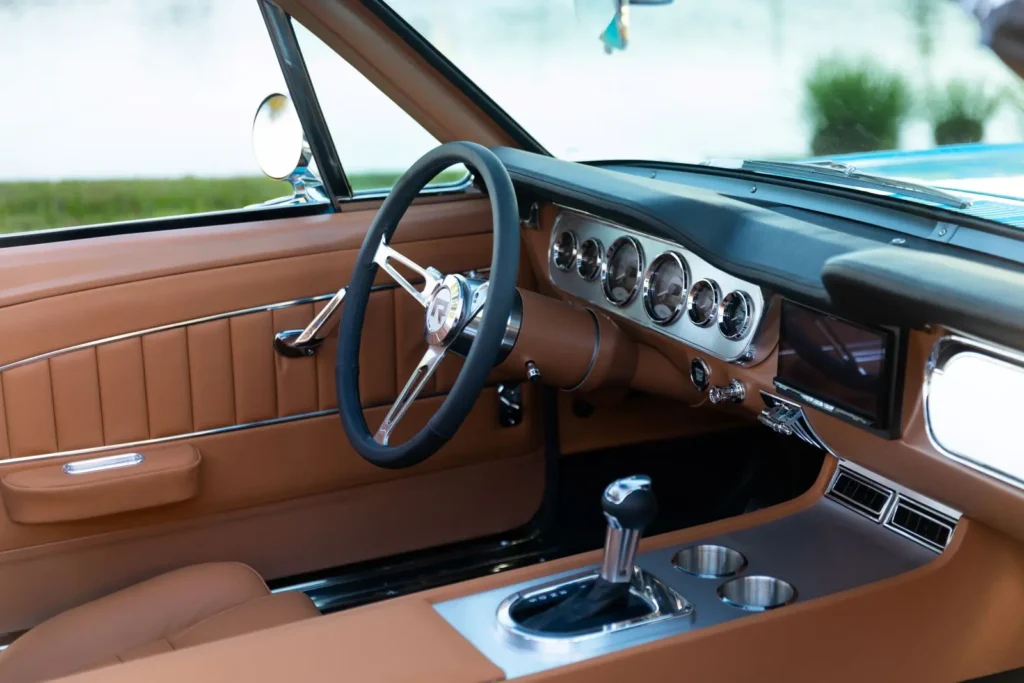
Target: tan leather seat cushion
<point>179,609</point>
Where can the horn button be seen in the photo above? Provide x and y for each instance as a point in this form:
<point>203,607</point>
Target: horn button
<point>445,311</point>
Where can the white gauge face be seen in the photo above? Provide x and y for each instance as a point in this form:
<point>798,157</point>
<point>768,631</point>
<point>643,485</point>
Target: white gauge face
<point>665,287</point>
<point>588,263</point>
<point>563,250</point>
<point>622,271</point>
<point>703,303</point>
<point>734,315</point>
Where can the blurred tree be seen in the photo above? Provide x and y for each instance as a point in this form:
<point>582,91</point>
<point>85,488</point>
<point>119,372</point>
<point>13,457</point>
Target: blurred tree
<point>925,16</point>
<point>855,106</point>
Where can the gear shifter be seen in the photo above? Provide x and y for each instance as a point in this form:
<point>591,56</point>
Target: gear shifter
<point>629,506</point>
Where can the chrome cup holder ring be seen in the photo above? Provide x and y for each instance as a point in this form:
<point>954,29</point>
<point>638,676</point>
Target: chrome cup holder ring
<point>709,561</point>
<point>756,593</point>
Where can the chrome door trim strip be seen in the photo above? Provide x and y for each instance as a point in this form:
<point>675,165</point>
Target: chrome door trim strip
<point>172,438</point>
<point>174,326</point>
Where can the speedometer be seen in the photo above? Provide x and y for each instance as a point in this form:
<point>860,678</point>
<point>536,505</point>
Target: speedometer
<point>665,287</point>
<point>621,271</point>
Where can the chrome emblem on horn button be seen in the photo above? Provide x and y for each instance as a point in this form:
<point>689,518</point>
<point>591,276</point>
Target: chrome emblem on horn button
<point>444,311</point>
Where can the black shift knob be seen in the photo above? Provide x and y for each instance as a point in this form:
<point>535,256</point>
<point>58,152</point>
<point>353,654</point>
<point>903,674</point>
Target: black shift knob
<point>629,503</point>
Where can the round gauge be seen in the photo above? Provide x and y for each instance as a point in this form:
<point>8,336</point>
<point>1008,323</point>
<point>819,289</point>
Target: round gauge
<point>665,287</point>
<point>564,249</point>
<point>734,315</point>
<point>588,261</point>
<point>622,270</point>
<point>702,303</point>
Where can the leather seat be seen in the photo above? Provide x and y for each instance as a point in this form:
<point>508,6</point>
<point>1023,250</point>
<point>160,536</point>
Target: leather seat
<point>182,608</point>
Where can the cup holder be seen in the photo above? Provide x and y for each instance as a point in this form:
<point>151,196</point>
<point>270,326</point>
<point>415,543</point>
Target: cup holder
<point>709,561</point>
<point>756,593</point>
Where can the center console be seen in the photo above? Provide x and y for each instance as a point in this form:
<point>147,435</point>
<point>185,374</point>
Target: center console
<point>632,598</point>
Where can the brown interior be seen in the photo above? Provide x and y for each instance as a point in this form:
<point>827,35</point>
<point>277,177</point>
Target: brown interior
<point>161,343</point>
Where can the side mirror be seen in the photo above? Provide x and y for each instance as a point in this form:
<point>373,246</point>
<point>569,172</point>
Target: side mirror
<point>282,151</point>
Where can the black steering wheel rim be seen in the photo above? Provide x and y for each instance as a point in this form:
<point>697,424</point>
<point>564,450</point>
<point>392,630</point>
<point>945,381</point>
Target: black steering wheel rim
<point>487,344</point>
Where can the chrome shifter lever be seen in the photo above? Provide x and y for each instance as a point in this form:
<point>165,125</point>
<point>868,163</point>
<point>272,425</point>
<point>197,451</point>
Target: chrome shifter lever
<point>629,506</point>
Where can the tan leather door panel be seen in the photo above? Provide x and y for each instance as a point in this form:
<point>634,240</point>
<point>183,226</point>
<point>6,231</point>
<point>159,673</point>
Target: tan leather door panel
<point>149,341</point>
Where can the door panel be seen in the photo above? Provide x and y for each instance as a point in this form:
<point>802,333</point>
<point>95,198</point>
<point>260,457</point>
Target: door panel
<point>149,352</point>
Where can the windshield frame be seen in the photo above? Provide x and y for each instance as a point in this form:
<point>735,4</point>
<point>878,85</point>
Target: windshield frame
<point>436,60</point>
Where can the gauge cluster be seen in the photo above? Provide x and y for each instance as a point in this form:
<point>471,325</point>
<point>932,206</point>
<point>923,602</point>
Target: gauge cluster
<point>655,283</point>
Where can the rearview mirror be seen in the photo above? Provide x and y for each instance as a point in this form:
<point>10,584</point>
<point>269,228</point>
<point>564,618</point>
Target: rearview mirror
<point>282,151</point>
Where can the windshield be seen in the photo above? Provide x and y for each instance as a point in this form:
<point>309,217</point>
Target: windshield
<point>902,88</point>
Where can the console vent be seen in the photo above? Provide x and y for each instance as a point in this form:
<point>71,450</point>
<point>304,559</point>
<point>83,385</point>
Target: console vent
<point>860,494</point>
<point>921,524</point>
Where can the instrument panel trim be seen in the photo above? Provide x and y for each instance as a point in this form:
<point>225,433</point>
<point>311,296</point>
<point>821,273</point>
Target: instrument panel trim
<point>749,350</point>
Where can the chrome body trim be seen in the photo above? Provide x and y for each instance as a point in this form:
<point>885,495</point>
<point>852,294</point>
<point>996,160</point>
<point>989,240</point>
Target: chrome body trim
<point>110,462</point>
<point>751,350</point>
<point>944,350</point>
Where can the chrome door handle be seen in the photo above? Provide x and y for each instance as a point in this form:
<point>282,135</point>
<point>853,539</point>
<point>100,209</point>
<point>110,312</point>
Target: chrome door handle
<point>304,343</point>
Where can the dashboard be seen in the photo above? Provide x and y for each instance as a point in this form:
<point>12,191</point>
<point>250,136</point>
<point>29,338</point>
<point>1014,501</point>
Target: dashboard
<point>832,314</point>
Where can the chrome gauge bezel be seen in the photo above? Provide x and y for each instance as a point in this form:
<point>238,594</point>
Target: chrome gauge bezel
<point>609,255</point>
<point>648,278</point>
<point>691,295</point>
<point>571,260</point>
<point>748,304</point>
<point>599,261</point>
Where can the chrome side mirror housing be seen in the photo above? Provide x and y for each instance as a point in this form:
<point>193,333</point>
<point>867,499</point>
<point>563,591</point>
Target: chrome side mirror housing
<point>282,151</point>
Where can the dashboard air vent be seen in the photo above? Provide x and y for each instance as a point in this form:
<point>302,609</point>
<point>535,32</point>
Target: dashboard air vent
<point>921,524</point>
<point>860,495</point>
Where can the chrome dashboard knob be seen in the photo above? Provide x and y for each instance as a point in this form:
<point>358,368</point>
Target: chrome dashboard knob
<point>732,393</point>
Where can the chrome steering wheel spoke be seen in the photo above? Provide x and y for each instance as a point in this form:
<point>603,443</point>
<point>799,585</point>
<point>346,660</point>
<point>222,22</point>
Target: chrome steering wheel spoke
<point>424,371</point>
<point>431,276</point>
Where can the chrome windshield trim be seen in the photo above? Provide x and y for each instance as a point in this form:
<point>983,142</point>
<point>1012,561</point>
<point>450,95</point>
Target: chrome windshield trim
<point>846,175</point>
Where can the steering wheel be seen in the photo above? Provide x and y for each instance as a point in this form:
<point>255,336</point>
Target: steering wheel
<point>449,303</point>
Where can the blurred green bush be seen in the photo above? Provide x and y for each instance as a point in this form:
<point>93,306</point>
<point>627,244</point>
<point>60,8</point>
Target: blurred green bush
<point>44,205</point>
<point>959,112</point>
<point>855,106</point>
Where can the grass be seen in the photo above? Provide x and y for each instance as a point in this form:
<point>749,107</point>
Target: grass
<point>67,203</point>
